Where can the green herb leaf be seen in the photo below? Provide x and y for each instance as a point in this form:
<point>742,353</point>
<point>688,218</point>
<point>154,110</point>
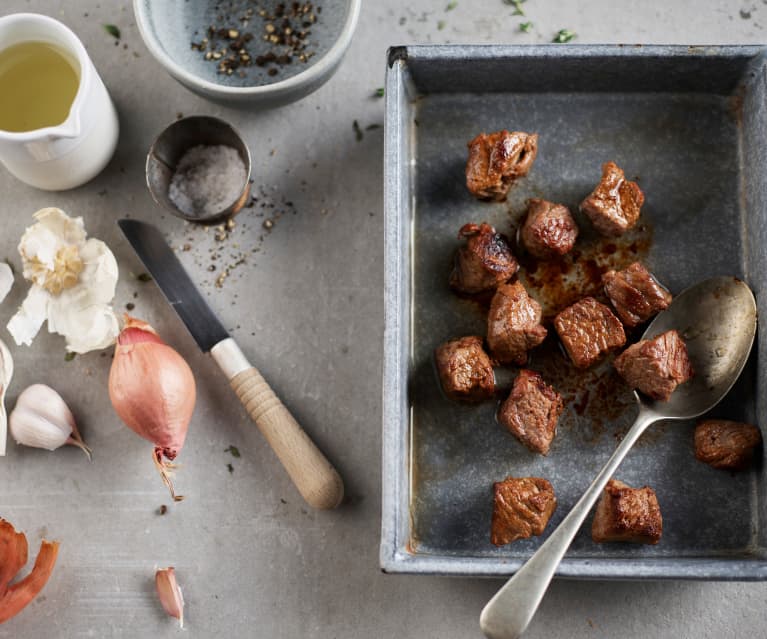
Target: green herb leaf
<point>451,5</point>
<point>69,357</point>
<point>525,27</point>
<point>440,25</point>
<point>378,93</point>
<point>234,450</point>
<point>112,30</point>
<point>357,131</point>
<point>230,468</point>
<point>144,277</point>
<point>517,4</point>
<point>372,127</point>
<point>564,35</point>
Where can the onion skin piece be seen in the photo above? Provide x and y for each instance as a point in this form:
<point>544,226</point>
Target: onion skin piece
<point>152,387</point>
<point>13,556</point>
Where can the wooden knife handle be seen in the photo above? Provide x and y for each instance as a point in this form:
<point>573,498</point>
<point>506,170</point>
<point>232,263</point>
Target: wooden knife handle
<point>316,479</point>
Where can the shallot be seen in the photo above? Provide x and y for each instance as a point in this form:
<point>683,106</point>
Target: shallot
<point>170,594</point>
<point>153,391</point>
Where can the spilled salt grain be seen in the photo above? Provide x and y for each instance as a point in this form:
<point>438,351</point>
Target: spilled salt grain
<point>207,180</point>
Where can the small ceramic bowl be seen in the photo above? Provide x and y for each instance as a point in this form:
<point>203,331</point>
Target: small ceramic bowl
<point>173,31</point>
<point>169,148</point>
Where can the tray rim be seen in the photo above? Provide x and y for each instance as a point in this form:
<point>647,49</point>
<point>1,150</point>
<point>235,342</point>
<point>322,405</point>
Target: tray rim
<point>394,556</point>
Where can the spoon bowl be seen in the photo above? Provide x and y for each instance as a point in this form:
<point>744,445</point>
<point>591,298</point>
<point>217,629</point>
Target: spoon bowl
<point>717,320</point>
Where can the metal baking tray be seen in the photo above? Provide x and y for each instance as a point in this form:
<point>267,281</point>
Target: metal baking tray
<point>690,123</point>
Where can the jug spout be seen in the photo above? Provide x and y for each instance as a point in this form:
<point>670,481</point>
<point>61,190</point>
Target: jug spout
<point>70,128</point>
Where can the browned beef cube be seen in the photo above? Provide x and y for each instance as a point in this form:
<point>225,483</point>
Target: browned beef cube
<point>656,366</point>
<point>513,324</point>
<point>485,262</point>
<point>531,411</point>
<point>588,331</point>
<point>549,229</point>
<point>522,508</point>
<point>635,294</point>
<point>613,206</point>
<point>496,160</point>
<point>627,514</point>
<point>726,444</point>
<point>465,370</point>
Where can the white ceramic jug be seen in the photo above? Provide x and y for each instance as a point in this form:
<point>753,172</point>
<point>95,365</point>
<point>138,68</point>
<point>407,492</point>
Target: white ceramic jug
<point>68,155</point>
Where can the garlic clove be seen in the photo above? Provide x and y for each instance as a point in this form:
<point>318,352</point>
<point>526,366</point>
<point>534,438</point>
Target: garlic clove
<point>6,373</point>
<point>13,556</point>
<point>169,592</point>
<point>6,280</point>
<point>42,419</point>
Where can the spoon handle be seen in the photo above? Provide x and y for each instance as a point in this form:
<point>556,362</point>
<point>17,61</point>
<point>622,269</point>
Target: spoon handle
<point>508,613</point>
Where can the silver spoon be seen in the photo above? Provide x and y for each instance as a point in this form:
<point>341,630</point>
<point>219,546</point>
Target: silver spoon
<point>717,319</point>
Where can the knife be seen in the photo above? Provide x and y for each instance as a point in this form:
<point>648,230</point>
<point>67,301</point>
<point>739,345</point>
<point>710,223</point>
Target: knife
<point>313,475</point>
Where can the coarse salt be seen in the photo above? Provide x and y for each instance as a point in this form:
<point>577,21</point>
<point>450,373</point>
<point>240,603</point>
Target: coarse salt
<point>207,180</point>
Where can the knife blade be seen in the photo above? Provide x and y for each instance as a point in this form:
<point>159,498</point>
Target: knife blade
<point>315,478</point>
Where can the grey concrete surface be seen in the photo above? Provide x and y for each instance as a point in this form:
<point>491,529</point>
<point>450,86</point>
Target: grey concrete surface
<point>253,561</point>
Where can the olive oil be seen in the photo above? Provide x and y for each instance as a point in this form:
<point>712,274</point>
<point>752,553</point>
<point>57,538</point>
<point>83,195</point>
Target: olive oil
<point>38,84</point>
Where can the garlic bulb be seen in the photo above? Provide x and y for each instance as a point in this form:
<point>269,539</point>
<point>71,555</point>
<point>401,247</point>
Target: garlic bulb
<point>41,419</point>
<point>6,372</point>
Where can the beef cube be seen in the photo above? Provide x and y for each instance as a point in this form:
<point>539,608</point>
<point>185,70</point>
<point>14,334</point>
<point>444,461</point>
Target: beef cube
<point>485,262</point>
<point>531,411</point>
<point>588,330</point>
<point>726,444</point>
<point>627,514</point>
<point>549,229</point>
<point>635,294</point>
<point>513,324</point>
<point>496,160</point>
<point>465,370</point>
<point>656,366</point>
<point>522,508</point>
<point>613,206</point>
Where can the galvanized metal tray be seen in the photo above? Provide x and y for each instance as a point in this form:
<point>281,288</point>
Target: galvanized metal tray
<point>691,124</point>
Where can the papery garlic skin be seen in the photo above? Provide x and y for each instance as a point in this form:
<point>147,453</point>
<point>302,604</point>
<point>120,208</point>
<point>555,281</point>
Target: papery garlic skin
<point>73,284</point>
<point>6,370</point>
<point>41,419</point>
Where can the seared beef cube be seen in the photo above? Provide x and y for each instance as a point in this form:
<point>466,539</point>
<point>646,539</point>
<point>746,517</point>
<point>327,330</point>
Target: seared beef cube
<point>613,207</point>
<point>484,263</point>
<point>627,514</point>
<point>513,324</point>
<point>635,294</point>
<point>496,160</point>
<point>588,331</point>
<point>726,444</point>
<point>549,229</point>
<point>531,411</point>
<point>656,366</point>
<point>522,508</point>
<point>465,370</point>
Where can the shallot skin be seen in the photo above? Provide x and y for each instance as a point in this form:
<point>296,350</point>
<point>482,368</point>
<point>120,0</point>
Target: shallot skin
<point>152,387</point>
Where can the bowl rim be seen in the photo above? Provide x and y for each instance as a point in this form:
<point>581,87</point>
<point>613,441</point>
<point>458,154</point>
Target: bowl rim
<point>315,72</point>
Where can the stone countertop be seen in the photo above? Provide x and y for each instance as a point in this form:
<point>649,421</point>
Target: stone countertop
<point>306,305</point>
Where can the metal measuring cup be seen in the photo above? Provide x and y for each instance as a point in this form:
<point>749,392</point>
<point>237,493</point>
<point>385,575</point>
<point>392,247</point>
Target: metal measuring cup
<point>171,145</point>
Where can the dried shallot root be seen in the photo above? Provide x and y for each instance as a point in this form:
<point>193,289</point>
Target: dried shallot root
<point>153,391</point>
<point>169,592</point>
<point>13,557</point>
